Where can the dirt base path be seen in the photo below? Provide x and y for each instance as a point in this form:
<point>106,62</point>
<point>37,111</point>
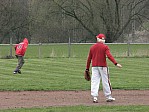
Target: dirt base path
<point>29,99</point>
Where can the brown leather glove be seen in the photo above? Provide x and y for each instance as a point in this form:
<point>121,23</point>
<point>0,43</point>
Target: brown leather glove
<point>87,75</point>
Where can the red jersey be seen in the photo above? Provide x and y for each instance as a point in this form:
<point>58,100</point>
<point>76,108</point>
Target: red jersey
<point>97,55</point>
<point>21,47</point>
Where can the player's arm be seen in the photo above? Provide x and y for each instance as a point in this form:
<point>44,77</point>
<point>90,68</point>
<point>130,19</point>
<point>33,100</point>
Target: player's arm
<point>88,60</point>
<point>111,58</point>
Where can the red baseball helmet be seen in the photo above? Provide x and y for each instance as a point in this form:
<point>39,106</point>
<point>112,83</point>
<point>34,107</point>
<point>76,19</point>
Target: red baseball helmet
<point>101,36</point>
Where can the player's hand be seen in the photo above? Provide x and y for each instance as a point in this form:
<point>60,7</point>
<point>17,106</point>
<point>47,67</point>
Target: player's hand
<point>119,65</point>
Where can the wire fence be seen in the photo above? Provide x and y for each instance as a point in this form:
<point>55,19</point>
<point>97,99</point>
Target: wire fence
<point>75,50</point>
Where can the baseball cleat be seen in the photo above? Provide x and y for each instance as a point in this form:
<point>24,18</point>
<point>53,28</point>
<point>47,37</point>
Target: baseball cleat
<point>110,99</point>
<point>95,100</point>
<point>19,71</point>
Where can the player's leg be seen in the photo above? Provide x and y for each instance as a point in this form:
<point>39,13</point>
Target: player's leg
<point>95,82</point>
<point>106,84</point>
<point>17,68</point>
<point>20,64</point>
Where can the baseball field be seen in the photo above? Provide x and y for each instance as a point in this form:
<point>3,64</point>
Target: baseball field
<point>52,82</point>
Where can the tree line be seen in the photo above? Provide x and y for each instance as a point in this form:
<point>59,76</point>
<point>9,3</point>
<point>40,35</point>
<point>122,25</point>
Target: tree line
<point>52,21</point>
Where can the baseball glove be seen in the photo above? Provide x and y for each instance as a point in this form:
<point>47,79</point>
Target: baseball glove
<point>87,75</point>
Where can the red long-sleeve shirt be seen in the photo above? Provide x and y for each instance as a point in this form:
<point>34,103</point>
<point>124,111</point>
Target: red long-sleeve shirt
<point>97,55</point>
<point>21,47</point>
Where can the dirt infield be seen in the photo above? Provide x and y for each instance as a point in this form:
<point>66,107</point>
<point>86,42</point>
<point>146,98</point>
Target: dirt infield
<point>29,99</point>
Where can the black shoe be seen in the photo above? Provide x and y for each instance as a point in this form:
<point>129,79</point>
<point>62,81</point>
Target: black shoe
<point>19,71</point>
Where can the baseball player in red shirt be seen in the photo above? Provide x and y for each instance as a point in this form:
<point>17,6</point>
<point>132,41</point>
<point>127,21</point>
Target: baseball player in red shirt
<point>20,50</point>
<point>97,55</point>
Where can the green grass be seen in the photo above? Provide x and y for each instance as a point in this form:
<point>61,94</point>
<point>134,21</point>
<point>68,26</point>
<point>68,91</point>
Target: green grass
<point>84,109</point>
<point>77,50</point>
<point>68,74</point>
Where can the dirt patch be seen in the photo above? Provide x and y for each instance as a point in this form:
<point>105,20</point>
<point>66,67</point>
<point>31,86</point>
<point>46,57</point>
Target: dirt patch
<point>29,99</point>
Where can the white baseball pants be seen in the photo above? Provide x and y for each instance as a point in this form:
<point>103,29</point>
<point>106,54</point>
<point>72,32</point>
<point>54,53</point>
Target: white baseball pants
<point>100,73</point>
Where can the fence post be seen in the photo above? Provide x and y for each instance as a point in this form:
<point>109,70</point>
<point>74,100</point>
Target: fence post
<point>39,50</point>
<point>69,48</point>
<point>128,49</point>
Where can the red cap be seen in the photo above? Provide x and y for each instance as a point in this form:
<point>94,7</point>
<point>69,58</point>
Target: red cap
<point>101,36</point>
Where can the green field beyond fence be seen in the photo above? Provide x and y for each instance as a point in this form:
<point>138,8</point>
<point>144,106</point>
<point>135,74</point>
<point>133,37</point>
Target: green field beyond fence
<point>76,50</point>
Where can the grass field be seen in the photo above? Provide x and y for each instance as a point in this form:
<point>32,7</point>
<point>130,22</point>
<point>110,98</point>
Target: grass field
<point>67,74</point>
<point>84,109</point>
<point>62,73</point>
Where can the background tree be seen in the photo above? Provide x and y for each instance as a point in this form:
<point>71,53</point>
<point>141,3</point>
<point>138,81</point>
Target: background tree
<point>111,17</point>
<point>48,21</point>
<point>13,20</point>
